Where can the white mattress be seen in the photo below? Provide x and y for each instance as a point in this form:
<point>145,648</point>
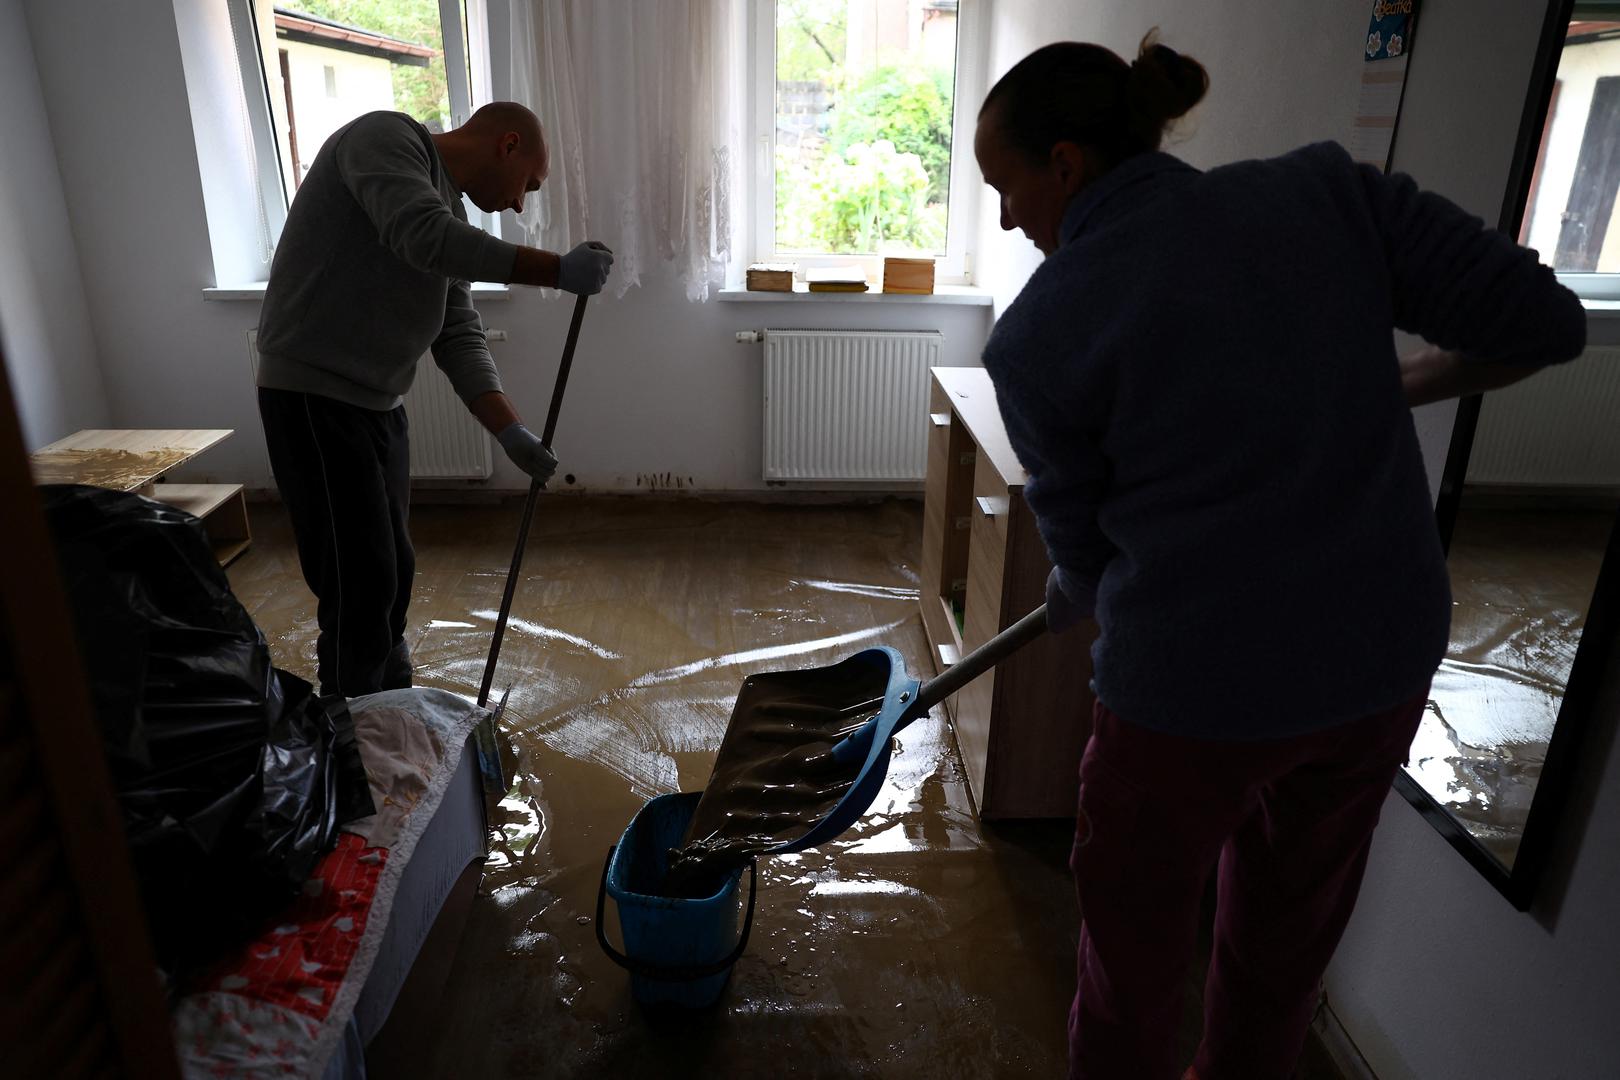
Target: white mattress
<point>453,839</point>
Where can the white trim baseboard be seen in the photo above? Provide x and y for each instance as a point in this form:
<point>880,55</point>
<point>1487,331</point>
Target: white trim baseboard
<point>1340,1047</point>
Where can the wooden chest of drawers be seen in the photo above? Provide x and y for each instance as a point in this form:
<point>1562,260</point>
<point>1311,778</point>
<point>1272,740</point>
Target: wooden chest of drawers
<point>1022,727</point>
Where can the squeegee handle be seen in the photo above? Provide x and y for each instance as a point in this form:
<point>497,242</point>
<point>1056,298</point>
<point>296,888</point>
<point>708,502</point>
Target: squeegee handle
<point>980,660</point>
<point>562,372</point>
<point>528,505</point>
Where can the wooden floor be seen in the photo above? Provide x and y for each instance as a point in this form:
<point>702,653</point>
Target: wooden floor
<point>920,944</point>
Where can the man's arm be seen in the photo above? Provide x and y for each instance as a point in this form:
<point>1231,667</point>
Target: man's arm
<point>536,267</point>
<point>583,270</point>
<point>388,169</point>
<point>462,353</point>
<point>461,350</point>
<point>494,410</point>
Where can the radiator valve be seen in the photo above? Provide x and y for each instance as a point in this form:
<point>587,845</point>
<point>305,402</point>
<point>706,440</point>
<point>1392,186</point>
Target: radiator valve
<point>750,337</point>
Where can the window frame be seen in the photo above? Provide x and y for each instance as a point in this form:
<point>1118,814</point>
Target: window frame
<point>955,267</point>
<point>467,71</point>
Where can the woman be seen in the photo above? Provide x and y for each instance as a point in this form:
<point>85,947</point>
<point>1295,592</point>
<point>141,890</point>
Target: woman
<point>1201,382</point>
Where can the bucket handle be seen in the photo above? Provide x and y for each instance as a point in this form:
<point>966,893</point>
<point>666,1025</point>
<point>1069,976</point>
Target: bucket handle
<point>670,972</point>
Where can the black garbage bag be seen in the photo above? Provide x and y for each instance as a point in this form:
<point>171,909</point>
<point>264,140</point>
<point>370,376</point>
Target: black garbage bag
<point>232,776</point>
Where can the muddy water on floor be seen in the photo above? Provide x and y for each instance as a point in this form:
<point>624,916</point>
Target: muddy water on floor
<point>914,945</point>
<point>1522,581</point>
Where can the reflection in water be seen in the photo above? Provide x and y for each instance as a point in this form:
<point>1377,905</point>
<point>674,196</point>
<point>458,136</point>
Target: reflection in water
<point>745,661</point>
<point>861,888</point>
<point>535,630</point>
<point>914,939</point>
<point>1521,580</point>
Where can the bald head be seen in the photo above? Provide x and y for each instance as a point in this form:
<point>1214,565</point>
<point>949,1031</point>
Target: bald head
<point>498,156</point>
<point>502,117</point>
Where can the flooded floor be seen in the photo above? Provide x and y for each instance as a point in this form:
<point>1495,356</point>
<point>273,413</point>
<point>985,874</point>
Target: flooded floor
<point>1521,582</point>
<point>920,943</point>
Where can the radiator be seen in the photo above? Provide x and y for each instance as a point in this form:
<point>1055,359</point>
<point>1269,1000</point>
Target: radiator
<point>1558,428</point>
<point>446,442</point>
<point>848,404</point>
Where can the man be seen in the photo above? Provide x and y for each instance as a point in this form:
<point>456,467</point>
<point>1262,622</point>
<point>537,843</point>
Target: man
<point>374,267</point>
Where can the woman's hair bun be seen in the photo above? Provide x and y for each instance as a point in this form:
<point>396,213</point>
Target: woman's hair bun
<point>1163,84</point>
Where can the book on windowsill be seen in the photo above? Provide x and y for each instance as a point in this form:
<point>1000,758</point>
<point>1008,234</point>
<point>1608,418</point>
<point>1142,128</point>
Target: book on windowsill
<point>836,279</point>
<point>770,277</point>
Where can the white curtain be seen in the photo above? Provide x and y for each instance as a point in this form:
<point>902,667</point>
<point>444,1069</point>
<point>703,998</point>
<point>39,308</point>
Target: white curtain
<point>642,106</point>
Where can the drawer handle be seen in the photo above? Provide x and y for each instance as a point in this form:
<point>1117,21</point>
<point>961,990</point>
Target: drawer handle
<point>940,419</point>
<point>991,507</point>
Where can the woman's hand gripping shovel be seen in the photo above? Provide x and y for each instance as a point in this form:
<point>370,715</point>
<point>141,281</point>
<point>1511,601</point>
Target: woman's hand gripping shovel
<point>488,749</point>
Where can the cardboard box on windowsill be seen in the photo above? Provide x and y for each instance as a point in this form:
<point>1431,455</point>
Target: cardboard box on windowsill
<point>770,277</point>
<point>913,276</point>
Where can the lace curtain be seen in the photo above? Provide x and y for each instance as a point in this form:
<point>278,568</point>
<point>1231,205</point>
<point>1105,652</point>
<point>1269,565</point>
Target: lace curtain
<point>642,107</point>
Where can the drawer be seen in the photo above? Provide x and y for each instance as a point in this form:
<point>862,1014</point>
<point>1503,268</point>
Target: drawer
<point>975,703</point>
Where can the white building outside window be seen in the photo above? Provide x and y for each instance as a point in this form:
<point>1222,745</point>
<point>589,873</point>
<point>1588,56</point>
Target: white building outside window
<point>1570,214</point>
<point>312,66</point>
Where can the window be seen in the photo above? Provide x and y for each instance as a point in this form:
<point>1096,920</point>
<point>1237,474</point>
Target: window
<point>317,64</point>
<point>865,126</point>
<point>1570,212</point>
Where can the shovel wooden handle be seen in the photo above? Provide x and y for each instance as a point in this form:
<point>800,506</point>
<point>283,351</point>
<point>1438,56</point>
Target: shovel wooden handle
<point>980,660</point>
<point>528,505</point>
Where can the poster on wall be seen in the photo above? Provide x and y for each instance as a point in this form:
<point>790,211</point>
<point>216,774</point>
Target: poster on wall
<point>1386,52</point>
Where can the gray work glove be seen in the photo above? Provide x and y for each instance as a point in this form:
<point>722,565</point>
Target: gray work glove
<point>527,451</point>
<point>1066,606</point>
<point>584,270</point>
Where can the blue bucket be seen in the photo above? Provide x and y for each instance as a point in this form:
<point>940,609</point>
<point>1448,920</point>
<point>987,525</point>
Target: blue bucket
<point>678,951</point>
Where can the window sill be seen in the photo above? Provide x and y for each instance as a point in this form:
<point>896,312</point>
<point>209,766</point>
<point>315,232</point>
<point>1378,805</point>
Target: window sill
<point>1601,309</point>
<point>254,290</point>
<point>945,294</point>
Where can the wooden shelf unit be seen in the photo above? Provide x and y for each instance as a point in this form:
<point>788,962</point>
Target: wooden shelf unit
<point>1021,728</point>
<point>222,509</point>
<point>136,460</point>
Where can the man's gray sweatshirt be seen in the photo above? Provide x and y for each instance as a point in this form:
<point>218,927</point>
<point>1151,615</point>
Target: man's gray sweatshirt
<point>373,268</point>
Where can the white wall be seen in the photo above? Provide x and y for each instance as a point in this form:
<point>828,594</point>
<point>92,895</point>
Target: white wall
<point>1280,76</point>
<point>50,349</point>
<point>1438,977</point>
<point>659,387</point>
<point>115,95</point>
